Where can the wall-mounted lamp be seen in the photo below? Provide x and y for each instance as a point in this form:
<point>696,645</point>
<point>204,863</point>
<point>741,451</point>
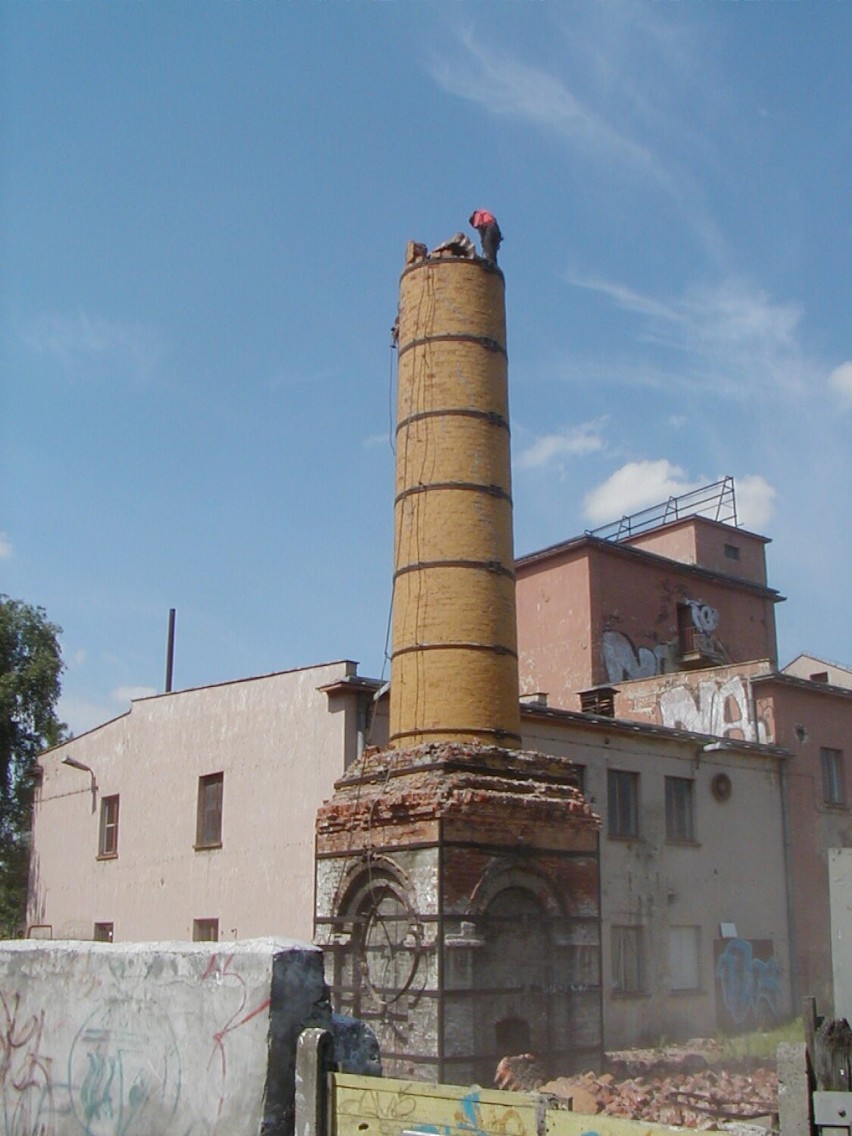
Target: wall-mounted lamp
<point>75,764</point>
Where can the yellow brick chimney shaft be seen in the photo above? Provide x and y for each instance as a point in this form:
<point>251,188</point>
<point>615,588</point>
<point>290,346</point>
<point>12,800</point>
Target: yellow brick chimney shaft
<point>454,671</point>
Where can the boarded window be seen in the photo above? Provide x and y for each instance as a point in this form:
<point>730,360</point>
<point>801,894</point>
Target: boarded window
<point>108,833</point>
<point>623,803</point>
<point>833,781</point>
<point>208,831</point>
<point>628,966</point>
<point>680,809</point>
<point>683,958</point>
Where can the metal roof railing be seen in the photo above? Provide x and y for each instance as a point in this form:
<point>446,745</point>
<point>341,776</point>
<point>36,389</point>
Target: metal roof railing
<point>717,501</point>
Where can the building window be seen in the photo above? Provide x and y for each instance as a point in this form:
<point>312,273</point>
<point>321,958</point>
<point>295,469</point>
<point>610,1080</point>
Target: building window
<point>833,786</point>
<point>205,930</point>
<point>819,676</point>
<point>623,803</point>
<point>628,966</point>
<point>108,834</point>
<point>208,829</point>
<point>732,552</point>
<point>680,809</point>
<point>683,958</point>
<point>103,932</point>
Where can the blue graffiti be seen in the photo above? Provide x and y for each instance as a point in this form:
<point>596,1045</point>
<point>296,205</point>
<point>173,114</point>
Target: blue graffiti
<point>750,986</point>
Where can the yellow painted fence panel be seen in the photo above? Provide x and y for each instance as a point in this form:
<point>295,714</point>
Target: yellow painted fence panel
<point>378,1106</point>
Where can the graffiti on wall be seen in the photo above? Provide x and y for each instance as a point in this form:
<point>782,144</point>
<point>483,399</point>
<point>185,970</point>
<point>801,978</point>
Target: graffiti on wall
<point>750,985</point>
<point>624,661</point>
<point>124,1072</point>
<point>719,708</point>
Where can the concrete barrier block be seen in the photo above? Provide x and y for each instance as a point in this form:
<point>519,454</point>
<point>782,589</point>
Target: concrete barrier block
<point>143,1038</point>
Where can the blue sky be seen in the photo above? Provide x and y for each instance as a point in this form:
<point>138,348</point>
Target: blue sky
<point>203,214</point>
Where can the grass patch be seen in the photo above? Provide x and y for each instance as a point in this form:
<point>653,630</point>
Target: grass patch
<point>761,1044</point>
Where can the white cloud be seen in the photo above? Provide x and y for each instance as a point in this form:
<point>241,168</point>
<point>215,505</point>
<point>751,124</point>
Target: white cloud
<point>128,693</point>
<point>636,486</point>
<point>86,343</point>
<point>640,485</point>
<point>5,547</point>
<point>755,502</point>
<point>840,380</point>
<point>577,440</point>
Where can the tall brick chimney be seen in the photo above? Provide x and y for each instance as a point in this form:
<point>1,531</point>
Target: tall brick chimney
<point>457,874</point>
<point>454,672</point>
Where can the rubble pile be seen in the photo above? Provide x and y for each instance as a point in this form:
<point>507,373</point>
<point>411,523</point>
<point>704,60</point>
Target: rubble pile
<point>690,1100</point>
<point>680,1088</point>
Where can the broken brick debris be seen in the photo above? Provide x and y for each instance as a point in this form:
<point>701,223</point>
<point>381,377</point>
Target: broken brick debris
<point>706,1098</point>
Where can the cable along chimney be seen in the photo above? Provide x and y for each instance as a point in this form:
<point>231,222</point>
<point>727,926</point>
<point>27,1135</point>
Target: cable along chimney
<point>454,668</point>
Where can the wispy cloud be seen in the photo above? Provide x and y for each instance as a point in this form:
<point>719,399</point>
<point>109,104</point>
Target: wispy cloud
<point>85,344</point>
<point>507,87</point>
<point>129,693</point>
<point>5,547</point>
<point>570,442</point>
<point>730,337</point>
<point>840,381</point>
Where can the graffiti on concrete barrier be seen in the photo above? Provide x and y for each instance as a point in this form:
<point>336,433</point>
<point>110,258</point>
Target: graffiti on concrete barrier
<point>25,1069</point>
<point>750,985</point>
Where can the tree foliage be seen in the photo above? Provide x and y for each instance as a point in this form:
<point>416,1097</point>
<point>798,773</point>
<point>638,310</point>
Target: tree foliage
<point>30,666</point>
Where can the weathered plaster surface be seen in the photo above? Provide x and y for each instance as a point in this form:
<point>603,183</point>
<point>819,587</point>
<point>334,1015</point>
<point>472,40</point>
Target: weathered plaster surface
<point>136,1039</point>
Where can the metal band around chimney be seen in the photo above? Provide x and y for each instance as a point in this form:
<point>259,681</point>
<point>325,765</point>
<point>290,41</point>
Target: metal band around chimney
<point>454,337</point>
<point>456,412</point>
<point>494,648</point>
<point>469,486</point>
<point>481,731</point>
<point>481,565</point>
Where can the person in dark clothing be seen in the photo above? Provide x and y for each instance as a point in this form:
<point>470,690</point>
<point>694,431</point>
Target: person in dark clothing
<point>490,236</point>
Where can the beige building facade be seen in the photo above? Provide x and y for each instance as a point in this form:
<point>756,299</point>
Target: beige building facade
<point>192,816</point>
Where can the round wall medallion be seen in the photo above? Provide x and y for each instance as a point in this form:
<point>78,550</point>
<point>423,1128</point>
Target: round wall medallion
<point>721,786</point>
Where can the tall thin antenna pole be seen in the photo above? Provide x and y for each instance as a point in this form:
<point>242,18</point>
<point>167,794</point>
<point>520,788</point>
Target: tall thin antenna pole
<point>170,651</point>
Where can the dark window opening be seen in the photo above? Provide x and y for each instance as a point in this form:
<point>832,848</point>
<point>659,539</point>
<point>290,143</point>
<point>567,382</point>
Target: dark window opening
<point>623,803</point>
<point>103,932</point>
<point>205,930</point>
<point>513,1036</point>
<point>732,552</point>
<point>833,779</point>
<point>208,829</point>
<point>680,809</point>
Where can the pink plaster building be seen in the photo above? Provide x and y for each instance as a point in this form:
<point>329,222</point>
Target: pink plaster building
<point>671,621</point>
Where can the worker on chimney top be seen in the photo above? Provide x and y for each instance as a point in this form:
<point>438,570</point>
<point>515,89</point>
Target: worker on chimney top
<point>489,233</point>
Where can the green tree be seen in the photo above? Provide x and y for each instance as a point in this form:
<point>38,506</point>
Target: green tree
<point>30,666</point>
